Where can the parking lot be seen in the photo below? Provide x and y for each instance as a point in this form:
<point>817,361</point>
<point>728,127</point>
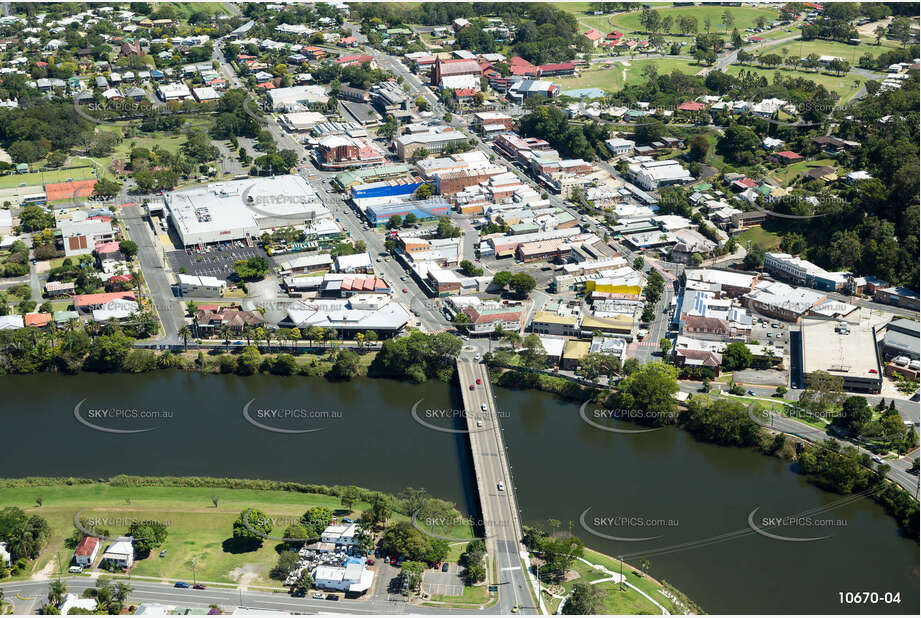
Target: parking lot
<point>449,584</point>
<point>213,261</point>
<point>767,333</point>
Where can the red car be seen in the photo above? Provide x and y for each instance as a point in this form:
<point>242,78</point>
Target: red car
<point>479,381</point>
<point>405,290</point>
<point>371,561</point>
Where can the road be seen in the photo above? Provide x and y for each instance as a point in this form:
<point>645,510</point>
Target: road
<point>155,274</point>
<point>27,597</point>
<point>500,508</point>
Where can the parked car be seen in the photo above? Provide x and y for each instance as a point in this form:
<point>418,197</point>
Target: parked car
<point>751,393</point>
<point>75,569</point>
<point>182,585</point>
<point>444,567</point>
<point>332,597</point>
<point>199,586</point>
<point>163,553</point>
<point>318,595</point>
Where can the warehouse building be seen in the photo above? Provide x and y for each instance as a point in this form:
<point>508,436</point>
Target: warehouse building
<point>243,209</point>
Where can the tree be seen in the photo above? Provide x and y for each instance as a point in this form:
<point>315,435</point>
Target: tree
<point>147,535</point>
<point>638,263</point>
<point>879,32</point>
<point>304,582</point>
<point>185,333</point>
<point>56,591</point>
<point>823,393</point>
<point>585,600</point>
<point>377,514</point>
<point>251,527</point>
<point>411,573</point>
<point>855,413</point>
<point>501,278</point>
<point>315,520</point>
<point>410,220</point>
<point>470,269</point>
<point>651,388</point>
<point>252,269</point>
<point>736,356</point>
<point>424,191</point>
<point>404,539</point>
<point>287,561</point>
<point>522,284</point>
<point>728,20</point>
<point>665,345</point>
<point>349,496</point>
<point>346,366</point>
<point>754,259</point>
<point>394,222</point>
<point>699,149</point>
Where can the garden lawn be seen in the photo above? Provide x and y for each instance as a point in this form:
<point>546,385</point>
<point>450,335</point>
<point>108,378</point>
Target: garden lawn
<point>49,176</point>
<point>196,529</point>
<point>612,78</point>
<point>791,172</point>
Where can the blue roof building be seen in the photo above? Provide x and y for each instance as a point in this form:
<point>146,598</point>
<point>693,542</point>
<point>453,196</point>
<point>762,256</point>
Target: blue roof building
<point>432,208</point>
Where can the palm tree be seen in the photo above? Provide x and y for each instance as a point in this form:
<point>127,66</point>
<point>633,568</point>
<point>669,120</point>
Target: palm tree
<point>185,332</point>
<point>56,591</point>
<point>880,32</point>
<point>294,335</point>
<point>225,333</point>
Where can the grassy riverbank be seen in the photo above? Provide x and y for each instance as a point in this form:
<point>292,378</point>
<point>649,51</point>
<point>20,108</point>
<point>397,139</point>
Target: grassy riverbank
<point>198,515</point>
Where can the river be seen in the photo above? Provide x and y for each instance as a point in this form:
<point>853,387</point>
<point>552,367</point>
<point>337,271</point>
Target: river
<point>692,501</point>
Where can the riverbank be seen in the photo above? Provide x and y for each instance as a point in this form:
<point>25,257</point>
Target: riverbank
<point>197,513</point>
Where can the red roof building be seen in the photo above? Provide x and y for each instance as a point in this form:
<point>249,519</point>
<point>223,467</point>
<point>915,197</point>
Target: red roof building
<point>560,68</point>
<point>36,319</point>
<point>519,66</point>
<point>87,548</point>
<point>594,36</point>
<point>786,157</point>
<point>354,60</point>
<point>613,36</point>
<point>88,302</point>
<point>744,183</point>
<point>692,106</point>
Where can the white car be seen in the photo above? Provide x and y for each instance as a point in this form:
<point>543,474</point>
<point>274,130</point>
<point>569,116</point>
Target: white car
<point>75,569</point>
<point>483,407</point>
<point>501,486</point>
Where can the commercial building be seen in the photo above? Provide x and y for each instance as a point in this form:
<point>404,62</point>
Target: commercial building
<point>902,339</point>
<point>353,577</point>
<point>802,272</point>
<point>550,323</point>
<point>729,283</point>
<point>486,316</point>
<point>243,209</point>
<point>433,141</point>
<point>782,301</point>
<point>898,296</point>
<point>350,316</point>
<point>652,175</point>
<point>423,210</point>
<point>301,121</point>
<point>80,237</point>
<point>296,98</point>
<point>490,123</point>
<point>843,349</point>
<point>204,286</point>
<point>336,152</point>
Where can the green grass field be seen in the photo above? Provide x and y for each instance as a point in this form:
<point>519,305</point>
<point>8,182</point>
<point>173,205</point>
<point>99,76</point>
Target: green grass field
<point>627,72</point>
<point>851,53</point>
<point>51,176</point>
<point>744,17</point>
<point>197,530</point>
<point>759,236</point>
<point>846,86</point>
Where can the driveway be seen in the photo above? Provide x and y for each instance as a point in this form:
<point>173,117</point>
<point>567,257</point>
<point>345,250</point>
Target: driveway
<point>437,582</point>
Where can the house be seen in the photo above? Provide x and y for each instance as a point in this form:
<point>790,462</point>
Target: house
<point>704,359</point>
<point>87,550</point>
<point>692,107</point>
<point>786,157</point>
<point>37,320</point>
<point>59,288</point>
<point>87,303</point>
<point>209,322</point>
<point>11,322</point>
<point>486,317</point>
<point>594,37</point>
<point>121,552</point>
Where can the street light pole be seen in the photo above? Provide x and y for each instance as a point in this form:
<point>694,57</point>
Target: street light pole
<point>621,572</point>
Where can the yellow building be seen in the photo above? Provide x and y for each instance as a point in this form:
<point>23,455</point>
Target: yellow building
<point>573,353</point>
<point>608,287</point>
<point>549,323</point>
<point>618,324</point>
